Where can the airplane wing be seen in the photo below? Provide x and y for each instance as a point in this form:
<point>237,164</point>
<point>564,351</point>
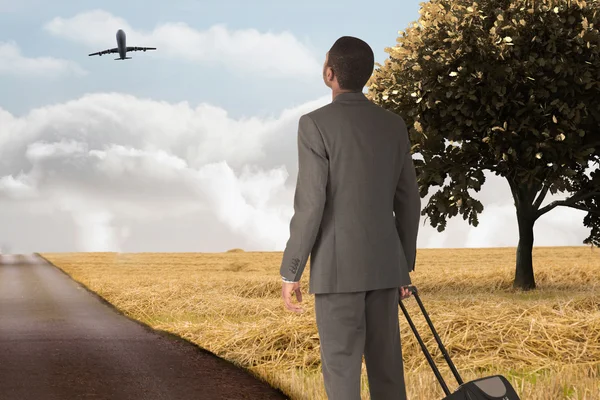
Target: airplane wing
<point>115,50</point>
<point>140,48</point>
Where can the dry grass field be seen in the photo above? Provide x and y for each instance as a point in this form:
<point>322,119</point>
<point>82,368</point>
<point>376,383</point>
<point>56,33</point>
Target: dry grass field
<point>547,342</point>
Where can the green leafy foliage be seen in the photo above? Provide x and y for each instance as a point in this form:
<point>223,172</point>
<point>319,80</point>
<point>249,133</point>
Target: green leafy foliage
<point>511,87</point>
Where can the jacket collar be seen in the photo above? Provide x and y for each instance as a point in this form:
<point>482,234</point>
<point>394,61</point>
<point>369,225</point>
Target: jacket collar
<point>350,96</point>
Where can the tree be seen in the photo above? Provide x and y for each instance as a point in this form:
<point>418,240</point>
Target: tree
<point>511,87</point>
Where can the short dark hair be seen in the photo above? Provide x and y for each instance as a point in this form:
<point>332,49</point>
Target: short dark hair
<point>352,61</point>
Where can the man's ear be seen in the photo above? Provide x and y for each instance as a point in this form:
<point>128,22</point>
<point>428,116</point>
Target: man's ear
<point>330,74</point>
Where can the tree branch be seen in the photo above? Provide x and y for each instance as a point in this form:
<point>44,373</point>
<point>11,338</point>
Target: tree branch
<point>584,209</point>
<point>538,202</point>
<point>491,167</point>
<point>567,203</point>
<point>513,190</point>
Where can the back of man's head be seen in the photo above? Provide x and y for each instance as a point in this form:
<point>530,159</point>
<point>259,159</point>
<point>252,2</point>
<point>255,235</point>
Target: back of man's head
<point>352,61</point>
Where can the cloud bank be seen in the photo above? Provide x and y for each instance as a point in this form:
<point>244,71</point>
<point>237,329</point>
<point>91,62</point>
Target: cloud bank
<point>109,166</point>
<point>267,53</point>
<point>14,63</point>
<point>109,156</point>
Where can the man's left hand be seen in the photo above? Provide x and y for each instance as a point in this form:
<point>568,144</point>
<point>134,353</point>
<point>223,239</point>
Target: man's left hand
<point>286,292</point>
<point>404,292</point>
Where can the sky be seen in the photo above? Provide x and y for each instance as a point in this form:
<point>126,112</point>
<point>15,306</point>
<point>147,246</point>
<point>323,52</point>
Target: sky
<point>191,147</point>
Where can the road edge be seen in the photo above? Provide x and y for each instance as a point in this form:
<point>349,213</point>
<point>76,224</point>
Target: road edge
<point>160,332</point>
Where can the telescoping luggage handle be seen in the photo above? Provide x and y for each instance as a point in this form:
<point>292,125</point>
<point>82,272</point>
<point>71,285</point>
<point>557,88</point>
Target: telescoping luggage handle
<point>435,369</point>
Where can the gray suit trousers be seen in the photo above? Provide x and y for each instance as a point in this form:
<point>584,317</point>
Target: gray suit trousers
<point>353,324</point>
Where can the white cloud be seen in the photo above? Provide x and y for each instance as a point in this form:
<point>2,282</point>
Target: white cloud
<point>13,62</point>
<point>16,188</point>
<point>108,157</point>
<point>117,164</point>
<point>242,51</point>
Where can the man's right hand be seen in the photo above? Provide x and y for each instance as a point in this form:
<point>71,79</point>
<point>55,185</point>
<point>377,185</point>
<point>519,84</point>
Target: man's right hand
<point>404,292</point>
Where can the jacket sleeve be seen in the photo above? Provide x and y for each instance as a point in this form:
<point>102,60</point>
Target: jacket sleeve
<point>309,199</point>
<point>407,209</point>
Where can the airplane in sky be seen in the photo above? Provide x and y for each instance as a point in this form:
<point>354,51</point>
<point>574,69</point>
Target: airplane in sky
<point>122,48</point>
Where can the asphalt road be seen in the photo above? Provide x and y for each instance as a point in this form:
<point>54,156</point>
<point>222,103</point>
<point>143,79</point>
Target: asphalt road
<point>60,342</point>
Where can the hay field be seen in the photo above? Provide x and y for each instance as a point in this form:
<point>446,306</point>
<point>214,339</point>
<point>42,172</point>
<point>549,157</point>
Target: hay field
<point>547,342</point>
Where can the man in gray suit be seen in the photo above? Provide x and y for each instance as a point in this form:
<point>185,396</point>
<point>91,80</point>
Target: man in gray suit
<point>356,213</point>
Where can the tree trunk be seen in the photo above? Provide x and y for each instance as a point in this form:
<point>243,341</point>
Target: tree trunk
<point>524,278</point>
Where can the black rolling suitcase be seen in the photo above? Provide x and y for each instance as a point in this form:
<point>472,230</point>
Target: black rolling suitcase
<point>494,387</point>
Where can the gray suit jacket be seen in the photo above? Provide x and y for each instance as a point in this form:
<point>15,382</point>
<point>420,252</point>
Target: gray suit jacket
<point>357,204</point>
